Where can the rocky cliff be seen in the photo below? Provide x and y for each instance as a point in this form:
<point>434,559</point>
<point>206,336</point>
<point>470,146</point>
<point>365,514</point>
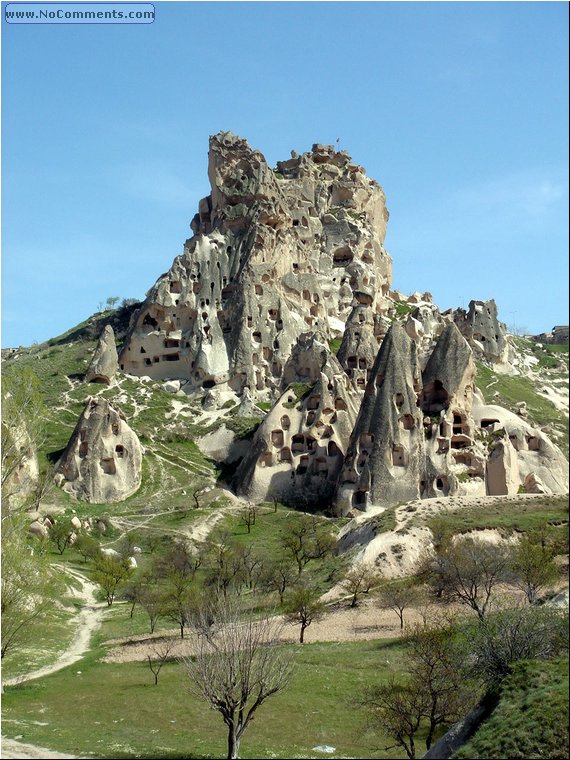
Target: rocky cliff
<point>275,254</point>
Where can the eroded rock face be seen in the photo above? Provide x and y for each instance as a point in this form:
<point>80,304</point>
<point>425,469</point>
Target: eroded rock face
<point>274,254</point>
<point>102,461</point>
<point>482,329</point>
<point>298,450</point>
<point>105,361</point>
<point>385,458</point>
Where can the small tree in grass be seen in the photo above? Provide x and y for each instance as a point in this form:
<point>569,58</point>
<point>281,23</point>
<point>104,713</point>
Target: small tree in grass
<point>60,534</point>
<point>237,665</point>
<point>533,567</point>
<point>399,595</point>
<point>87,546</point>
<point>304,607</point>
<point>159,653</point>
<point>360,579</point>
<point>397,710</point>
<point>110,573</point>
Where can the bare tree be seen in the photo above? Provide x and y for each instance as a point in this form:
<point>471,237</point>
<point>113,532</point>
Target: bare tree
<point>399,595</point>
<point>468,570</point>
<point>278,576</point>
<point>248,515</point>
<point>160,652</point>
<point>397,710</point>
<point>237,665</point>
<point>306,538</point>
<point>360,579</point>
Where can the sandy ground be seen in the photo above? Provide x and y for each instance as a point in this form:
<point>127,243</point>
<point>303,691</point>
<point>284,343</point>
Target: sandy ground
<point>13,749</point>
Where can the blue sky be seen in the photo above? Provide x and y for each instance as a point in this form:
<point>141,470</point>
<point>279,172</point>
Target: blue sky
<point>459,110</point>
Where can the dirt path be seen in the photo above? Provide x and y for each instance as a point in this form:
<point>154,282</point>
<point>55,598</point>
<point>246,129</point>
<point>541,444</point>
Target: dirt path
<point>14,749</point>
<point>86,622</point>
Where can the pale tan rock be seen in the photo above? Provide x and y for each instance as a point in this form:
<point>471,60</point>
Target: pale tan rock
<point>105,361</point>
<point>102,461</point>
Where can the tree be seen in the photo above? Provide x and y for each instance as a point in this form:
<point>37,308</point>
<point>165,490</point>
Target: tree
<point>22,432</point>
<point>434,660</point>
<point>248,515</point>
<point>467,571</point>
<point>397,709</point>
<point>533,567</point>
<point>399,595</point>
<point>279,575</point>
<point>112,301</point>
<point>87,546</point>
<point>303,607</point>
<point>516,633</point>
<point>306,538</point>
<point>360,579</point>
<point>236,666</point>
<point>160,652</point>
<point>60,534</point>
<point>153,603</point>
<point>110,573</point>
<point>25,584</point>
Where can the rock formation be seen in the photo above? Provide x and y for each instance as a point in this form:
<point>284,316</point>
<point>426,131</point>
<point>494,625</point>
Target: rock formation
<point>385,458</point>
<point>482,329</point>
<point>105,361</point>
<point>274,253</point>
<point>102,461</point>
<point>298,450</point>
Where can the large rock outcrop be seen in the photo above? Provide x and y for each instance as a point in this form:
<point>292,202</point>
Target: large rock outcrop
<point>385,458</point>
<point>105,361</point>
<point>298,450</point>
<point>274,253</point>
<point>102,461</point>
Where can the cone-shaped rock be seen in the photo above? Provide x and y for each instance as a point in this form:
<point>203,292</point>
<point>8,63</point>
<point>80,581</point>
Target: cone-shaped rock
<point>105,361</point>
<point>385,459</point>
<point>102,461</point>
<point>449,375</point>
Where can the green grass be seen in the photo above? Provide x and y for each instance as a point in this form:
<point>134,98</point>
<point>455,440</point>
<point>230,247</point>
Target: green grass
<point>511,390</point>
<point>52,633</point>
<point>334,345</point>
<point>531,719</point>
<point>518,515</point>
<point>113,710</point>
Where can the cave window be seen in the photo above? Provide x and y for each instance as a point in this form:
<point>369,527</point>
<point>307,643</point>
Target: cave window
<point>351,362</point>
<point>303,465</point>
<point>155,359</point>
<point>298,444</point>
<point>310,418</point>
<point>142,350</point>
<point>148,362</point>
<point>407,422</point>
<point>311,443</point>
<point>175,286</point>
<point>108,465</point>
<point>277,438</point>
<point>258,290</point>
<point>120,451</point>
<point>285,455</point>
<point>208,384</point>
<point>266,459</point>
<point>276,344</point>
<point>172,357</point>
<point>360,382</point>
<point>83,449</point>
<point>256,337</point>
<point>151,321</point>
<point>285,422</point>
<point>359,498</point>
<point>342,256</point>
<point>332,449</point>
<point>533,443</point>
<point>340,403</point>
<point>399,456</point>
<point>313,402</point>
<point>366,440</point>
<point>399,400</point>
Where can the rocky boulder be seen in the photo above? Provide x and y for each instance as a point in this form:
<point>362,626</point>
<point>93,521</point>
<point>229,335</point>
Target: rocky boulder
<point>105,361</point>
<point>102,461</point>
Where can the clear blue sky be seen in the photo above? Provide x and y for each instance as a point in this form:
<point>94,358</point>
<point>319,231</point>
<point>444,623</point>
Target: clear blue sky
<point>459,110</point>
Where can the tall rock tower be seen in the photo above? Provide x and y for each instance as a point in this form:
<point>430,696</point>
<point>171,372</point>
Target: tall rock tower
<point>275,254</point>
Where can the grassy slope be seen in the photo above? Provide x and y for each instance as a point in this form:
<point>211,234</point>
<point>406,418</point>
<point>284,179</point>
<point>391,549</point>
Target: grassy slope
<point>531,719</point>
<point>115,711</point>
